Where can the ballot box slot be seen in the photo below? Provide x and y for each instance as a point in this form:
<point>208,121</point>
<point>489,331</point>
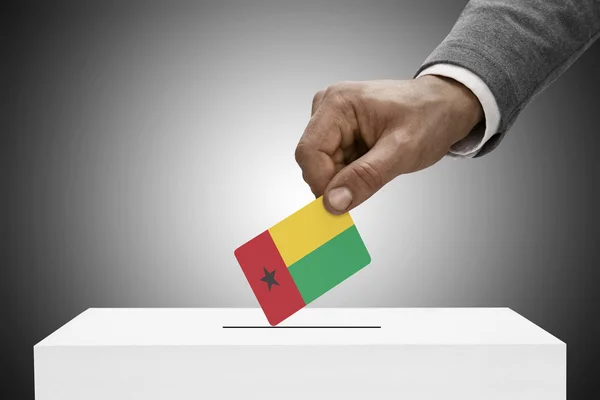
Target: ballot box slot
<point>302,327</point>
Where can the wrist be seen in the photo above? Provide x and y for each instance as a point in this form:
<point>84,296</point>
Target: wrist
<point>461,103</point>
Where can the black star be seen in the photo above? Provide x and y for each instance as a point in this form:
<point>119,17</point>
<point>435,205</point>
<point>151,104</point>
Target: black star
<point>269,278</point>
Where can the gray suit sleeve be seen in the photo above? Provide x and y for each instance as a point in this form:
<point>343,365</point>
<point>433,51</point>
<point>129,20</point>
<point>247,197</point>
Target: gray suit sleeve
<point>518,48</point>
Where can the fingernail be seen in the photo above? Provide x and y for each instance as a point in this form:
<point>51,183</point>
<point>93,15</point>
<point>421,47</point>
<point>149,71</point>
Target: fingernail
<point>340,198</point>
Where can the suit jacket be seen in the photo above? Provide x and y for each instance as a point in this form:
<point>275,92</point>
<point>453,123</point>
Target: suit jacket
<point>518,48</point>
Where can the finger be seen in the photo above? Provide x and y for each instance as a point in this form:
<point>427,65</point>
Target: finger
<point>318,153</point>
<point>317,101</point>
<point>358,181</point>
<point>317,168</point>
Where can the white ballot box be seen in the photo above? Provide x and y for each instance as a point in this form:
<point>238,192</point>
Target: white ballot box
<point>365,353</point>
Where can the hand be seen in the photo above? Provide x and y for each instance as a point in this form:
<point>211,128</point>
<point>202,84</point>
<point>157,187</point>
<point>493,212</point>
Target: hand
<point>364,134</point>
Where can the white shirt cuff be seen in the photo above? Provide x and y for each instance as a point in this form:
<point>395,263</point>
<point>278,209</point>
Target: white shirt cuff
<point>470,146</point>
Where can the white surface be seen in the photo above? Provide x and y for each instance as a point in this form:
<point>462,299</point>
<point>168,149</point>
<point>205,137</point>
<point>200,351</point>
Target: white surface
<point>469,146</point>
<point>191,327</point>
<point>186,353</point>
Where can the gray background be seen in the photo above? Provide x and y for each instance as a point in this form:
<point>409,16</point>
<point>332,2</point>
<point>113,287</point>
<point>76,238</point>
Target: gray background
<point>144,142</point>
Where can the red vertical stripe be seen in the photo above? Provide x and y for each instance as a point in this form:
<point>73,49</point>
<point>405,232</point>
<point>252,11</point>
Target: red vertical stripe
<point>283,299</point>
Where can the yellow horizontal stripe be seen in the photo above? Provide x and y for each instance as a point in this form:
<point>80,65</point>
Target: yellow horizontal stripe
<point>307,229</point>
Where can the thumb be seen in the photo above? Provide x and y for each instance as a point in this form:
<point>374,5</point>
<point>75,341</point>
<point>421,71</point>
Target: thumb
<point>358,181</point>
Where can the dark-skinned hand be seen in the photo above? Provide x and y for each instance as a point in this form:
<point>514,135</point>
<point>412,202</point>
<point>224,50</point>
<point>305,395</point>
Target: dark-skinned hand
<point>362,135</point>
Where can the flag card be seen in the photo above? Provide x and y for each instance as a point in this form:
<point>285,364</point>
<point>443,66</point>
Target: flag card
<point>301,258</point>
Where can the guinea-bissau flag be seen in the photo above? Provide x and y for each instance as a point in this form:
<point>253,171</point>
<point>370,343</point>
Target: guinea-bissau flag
<point>299,259</point>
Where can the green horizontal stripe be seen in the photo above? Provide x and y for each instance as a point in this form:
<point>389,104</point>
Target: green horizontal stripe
<point>330,264</point>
